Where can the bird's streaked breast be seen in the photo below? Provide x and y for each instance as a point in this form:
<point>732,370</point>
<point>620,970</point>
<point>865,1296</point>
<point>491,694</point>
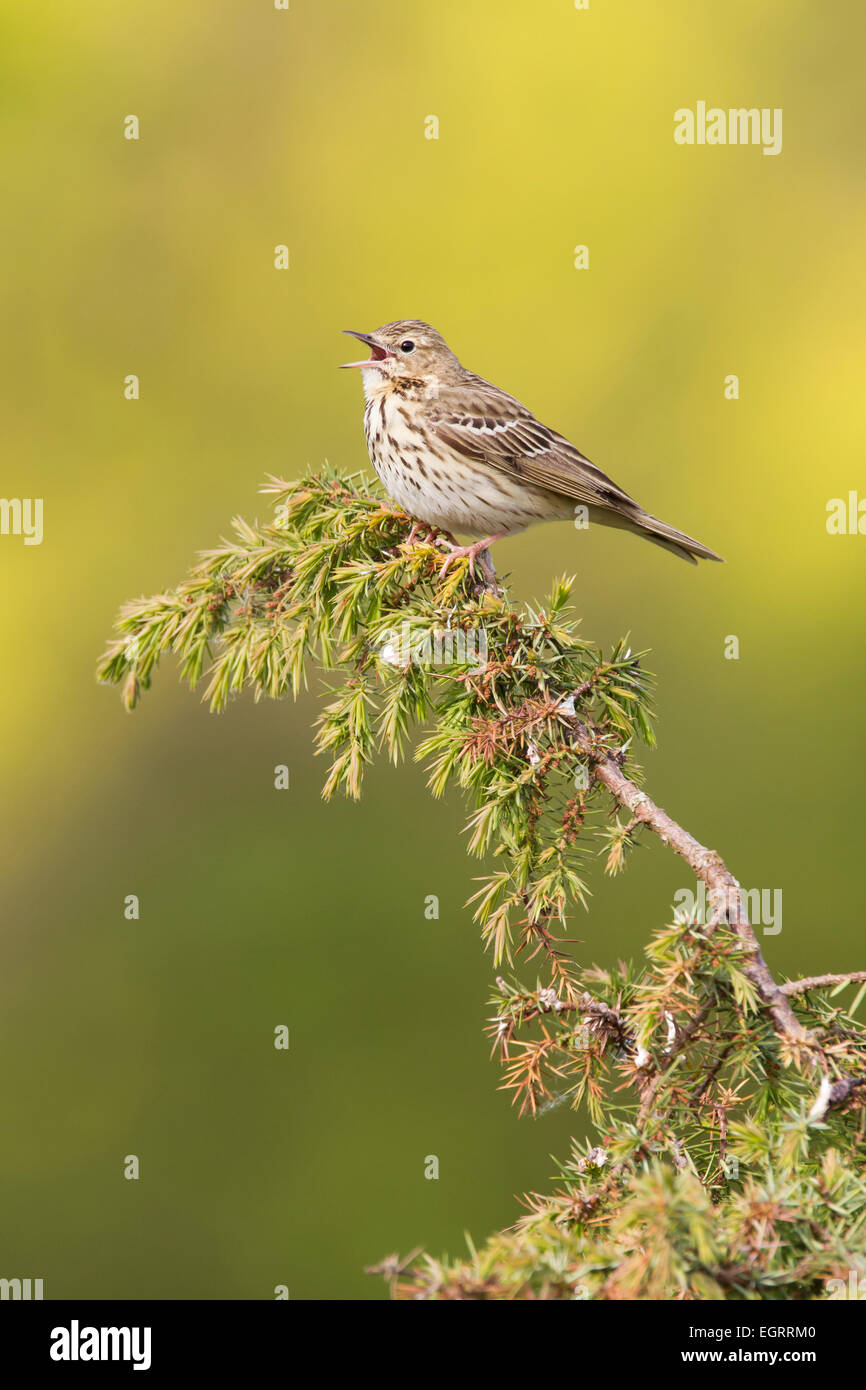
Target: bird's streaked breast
<point>437,485</point>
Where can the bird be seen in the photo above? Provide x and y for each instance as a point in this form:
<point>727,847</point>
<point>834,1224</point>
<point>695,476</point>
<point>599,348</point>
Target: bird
<point>459,454</point>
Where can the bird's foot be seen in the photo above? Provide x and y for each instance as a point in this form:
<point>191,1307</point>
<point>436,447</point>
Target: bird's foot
<point>430,534</point>
<point>479,550</point>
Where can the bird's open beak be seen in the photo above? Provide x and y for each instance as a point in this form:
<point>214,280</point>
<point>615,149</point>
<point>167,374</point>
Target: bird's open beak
<point>380,354</point>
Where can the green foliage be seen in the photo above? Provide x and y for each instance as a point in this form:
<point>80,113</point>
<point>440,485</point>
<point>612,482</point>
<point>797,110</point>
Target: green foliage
<point>716,1171</point>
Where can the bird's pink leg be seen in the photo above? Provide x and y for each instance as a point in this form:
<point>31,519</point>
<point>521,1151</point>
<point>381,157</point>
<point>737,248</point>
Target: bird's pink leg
<point>470,552</point>
<point>417,527</point>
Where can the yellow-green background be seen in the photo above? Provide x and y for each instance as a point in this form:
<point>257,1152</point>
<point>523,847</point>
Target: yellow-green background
<point>258,907</point>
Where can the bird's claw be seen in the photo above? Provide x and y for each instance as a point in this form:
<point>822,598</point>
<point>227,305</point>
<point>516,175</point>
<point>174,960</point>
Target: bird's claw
<point>471,553</point>
<point>417,529</point>
<point>429,537</point>
<point>458,552</point>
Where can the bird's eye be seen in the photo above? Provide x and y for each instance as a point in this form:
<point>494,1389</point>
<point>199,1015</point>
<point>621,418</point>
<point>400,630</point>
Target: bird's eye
<point>407,345</point>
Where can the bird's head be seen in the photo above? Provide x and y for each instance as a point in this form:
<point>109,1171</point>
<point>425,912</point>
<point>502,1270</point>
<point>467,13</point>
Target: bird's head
<point>405,351</point>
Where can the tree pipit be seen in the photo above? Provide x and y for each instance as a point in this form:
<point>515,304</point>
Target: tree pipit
<point>459,454</point>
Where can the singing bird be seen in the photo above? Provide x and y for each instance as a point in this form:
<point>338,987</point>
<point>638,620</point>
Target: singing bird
<point>459,454</point>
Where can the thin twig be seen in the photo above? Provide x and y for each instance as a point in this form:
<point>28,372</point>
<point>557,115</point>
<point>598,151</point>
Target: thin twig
<point>851,977</point>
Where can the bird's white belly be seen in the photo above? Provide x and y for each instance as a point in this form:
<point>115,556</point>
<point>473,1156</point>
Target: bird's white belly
<point>441,487</point>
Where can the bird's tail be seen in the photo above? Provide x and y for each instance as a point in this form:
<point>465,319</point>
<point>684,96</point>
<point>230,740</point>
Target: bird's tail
<point>673,540</point>
<point>640,523</point>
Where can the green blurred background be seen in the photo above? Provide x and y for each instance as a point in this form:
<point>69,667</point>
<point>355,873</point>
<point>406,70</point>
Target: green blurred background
<point>155,257</point>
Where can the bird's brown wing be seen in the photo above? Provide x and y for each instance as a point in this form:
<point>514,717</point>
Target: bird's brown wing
<point>484,424</point>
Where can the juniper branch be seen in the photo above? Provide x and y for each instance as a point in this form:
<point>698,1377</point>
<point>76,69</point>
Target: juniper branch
<point>709,867</point>
<point>692,1057</point>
